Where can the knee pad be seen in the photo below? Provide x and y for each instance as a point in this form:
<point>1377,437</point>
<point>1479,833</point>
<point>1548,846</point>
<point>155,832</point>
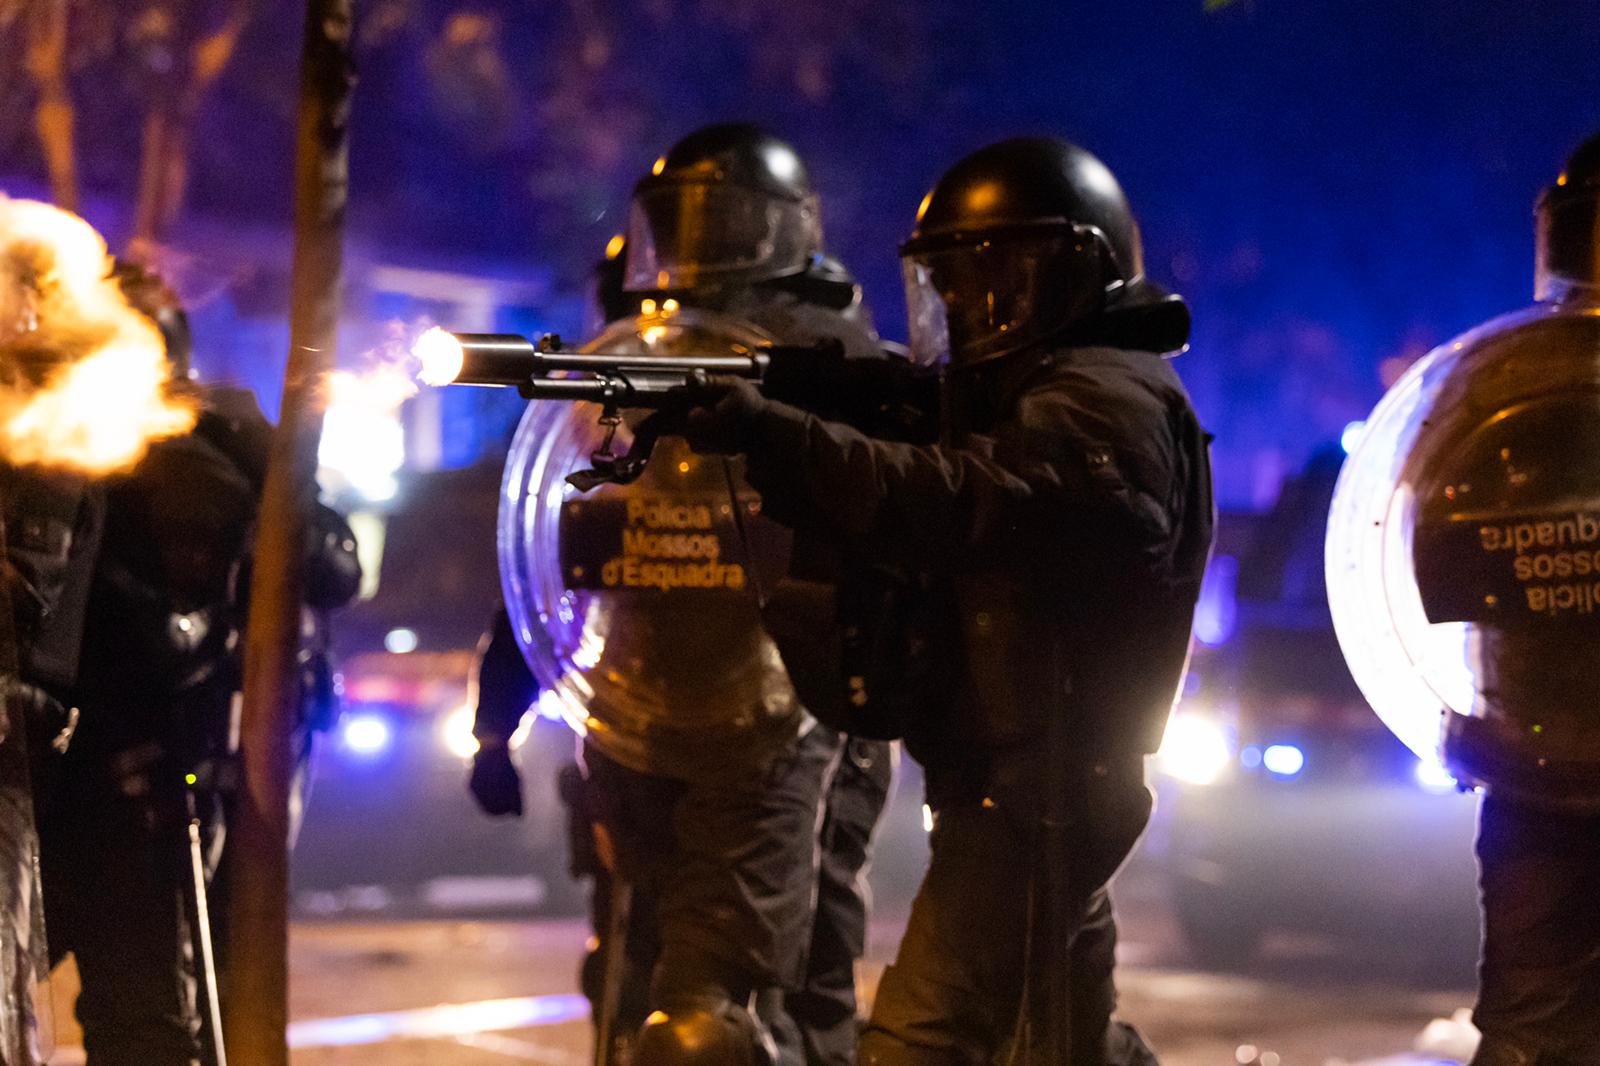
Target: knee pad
<point>707,1034</point>
<point>592,976</point>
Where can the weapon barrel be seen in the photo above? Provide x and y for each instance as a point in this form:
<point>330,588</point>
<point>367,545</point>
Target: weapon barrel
<point>496,359</point>
<point>744,366</point>
<point>507,359</point>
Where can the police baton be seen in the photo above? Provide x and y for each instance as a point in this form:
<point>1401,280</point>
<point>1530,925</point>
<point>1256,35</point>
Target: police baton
<point>205,951</point>
<point>616,962</point>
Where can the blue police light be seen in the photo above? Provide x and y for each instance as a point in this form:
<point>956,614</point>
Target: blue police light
<point>1352,436</point>
<point>1284,760</point>
<point>366,735</point>
<point>1217,612</point>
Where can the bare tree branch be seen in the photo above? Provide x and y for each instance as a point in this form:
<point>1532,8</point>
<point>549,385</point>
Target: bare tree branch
<point>169,129</point>
<point>46,62</point>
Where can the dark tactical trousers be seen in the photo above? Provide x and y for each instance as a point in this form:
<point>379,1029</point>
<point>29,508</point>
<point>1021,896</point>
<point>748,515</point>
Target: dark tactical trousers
<point>816,1023</point>
<point>1539,977</point>
<point>726,870</point>
<point>114,898</point>
<point>953,994</point>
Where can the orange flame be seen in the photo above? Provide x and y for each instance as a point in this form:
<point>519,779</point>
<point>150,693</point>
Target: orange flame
<point>83,376</point>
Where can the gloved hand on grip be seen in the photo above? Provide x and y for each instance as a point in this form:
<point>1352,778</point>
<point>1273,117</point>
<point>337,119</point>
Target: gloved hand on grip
<point>495,783</point>
<point>724,410</point>
<point>812,379</point>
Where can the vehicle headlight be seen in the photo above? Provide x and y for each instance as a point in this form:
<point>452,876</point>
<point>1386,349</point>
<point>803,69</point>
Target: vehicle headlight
<point>1197,748</point>
<point>455,733</point>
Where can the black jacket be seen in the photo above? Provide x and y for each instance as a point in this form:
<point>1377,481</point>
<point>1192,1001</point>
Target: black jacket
<point>168,600</point>
<point>52,526</point>
<point>1066,543</point>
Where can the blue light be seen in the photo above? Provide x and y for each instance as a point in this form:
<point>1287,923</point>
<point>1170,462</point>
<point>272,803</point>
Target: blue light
<point>1250,757</point>
<point>1217,612</point>
<point>1433,777</point>
<point>366,735</point>
<point>1352,436</point>
<point>1285,760</point>
<point>434,1023</point>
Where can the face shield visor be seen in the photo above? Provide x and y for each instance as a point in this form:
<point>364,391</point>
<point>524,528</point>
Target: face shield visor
<point>971,299</point>
<point>686,235</point>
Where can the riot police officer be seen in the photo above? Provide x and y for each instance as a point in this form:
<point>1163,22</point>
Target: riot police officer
<point>51,520</point>
<point>1535,748</point>
<point>160,667</point>
<point>727,222</point>
<point>51,523</point>
<point>1063,524</point>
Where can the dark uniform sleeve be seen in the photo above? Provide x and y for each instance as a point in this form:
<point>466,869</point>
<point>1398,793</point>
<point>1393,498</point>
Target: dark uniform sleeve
<point>1080,468</point>
<point>333,567</point>
<point>506,688</point>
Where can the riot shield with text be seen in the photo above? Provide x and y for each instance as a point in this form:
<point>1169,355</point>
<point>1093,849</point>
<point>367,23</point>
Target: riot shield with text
<point>1464,556</point>
<point>638,606</point>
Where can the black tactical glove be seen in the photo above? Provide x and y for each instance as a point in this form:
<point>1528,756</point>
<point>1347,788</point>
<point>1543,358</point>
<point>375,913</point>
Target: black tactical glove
<point>725,409</point>
<point>495,783</point>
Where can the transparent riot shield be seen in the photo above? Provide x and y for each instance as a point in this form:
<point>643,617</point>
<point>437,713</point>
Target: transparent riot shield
<point>1463,556</point>
<point>637,606</point>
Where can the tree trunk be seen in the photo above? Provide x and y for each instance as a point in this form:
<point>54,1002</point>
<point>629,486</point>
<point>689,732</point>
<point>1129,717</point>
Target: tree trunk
<point>53,114</point>
<point>257,1014</point>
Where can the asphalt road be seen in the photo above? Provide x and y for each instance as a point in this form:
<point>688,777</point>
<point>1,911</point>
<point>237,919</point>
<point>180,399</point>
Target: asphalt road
<point>450,993</point>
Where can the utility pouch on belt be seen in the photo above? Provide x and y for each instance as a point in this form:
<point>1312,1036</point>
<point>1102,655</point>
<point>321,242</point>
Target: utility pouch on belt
<point>858,650</point>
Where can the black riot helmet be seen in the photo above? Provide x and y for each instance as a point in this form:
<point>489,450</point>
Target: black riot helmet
<point>609,301</point>
<point>727,205</point>
<point>1025,241</point>
<point>149,294</point>
<point>1568,216</point>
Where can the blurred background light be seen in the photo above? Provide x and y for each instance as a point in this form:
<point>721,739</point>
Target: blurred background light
<point>366,734</point>
<point>1216,614</point>
<point>1285,760</point>
<point>455,732</point>
<point>1432,776</point>
<point>400,641</point>
<point>1352,436</point>
<point>1197,748</point>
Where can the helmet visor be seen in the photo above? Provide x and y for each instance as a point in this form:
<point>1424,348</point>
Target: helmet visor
<point>972,300</point>
<point>690,234</point>
<point>927,321</point>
